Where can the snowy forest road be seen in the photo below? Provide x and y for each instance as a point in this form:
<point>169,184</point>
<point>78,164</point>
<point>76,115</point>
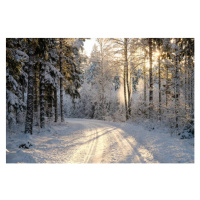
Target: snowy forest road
<point>96,141</point>
<point>100,142</point>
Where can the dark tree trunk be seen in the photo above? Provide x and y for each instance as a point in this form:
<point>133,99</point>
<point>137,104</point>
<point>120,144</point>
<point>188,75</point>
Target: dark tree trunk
<point>145,87</point>
<point>55,104</point>
<point>167,87</point>
<point>23,90</point>
<point>186,78</point>
<point>42,101</point>
<point>150,80</point>
<point>189,85</point>
<point>29,112</point>
<point>159,82</point>
<point>35,90</point>
<point>50,102</point>
<point>192,90</point>
<point>177,87</point>
<point>61,84</point>
<point>127,79</point>
<point>126,83</point>
<point>125,97</point>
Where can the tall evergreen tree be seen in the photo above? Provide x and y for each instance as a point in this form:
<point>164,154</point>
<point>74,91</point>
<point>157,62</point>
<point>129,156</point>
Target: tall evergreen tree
<point>29,113</point>
<point>150,79</point>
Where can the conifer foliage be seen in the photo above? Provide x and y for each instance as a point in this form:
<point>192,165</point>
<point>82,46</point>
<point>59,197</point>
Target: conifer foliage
<point>37,70</point>
<point>123,79</point>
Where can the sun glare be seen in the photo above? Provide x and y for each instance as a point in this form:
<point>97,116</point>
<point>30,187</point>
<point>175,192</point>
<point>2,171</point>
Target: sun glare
<point>156,53</point>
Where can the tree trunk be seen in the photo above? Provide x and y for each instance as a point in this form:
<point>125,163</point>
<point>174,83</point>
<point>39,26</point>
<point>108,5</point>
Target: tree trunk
<point>127,76</point>
<point>29,112</point>
<point>126,81</point>
<point>189,85</point>
<point>61,84</point>
<point>35,90</point>
<point>23,90</point>
<point>186,69</point>
<point>125,97</point>
<point>167,87</point>
<point>177,88</point>
<point>150,80</point>
<point>159,82</point>
<point>50,101</point>
<point>55,104</point>
<point>145,85</point>
<point>42,101</point>
<point>103,101</point>
<point>102,82</point>
<point>192,90</point>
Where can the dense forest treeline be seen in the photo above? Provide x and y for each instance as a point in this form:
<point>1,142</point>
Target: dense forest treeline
<point>122,79</point>
<point>40,68</point>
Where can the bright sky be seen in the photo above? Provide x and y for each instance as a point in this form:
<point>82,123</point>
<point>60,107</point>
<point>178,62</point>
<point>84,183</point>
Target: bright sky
<point>88,45</point>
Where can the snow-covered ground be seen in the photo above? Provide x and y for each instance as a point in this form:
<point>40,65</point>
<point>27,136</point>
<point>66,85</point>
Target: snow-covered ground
<point>96,141</point>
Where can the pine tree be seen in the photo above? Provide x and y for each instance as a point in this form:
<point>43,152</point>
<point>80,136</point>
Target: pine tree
<point>126,79</point>
<point>150,79</point>
<point>29,113</point>
<point>16,60</point>
<point>56,104</point>
<point>42,101</point>
<point>61,83</point>
<point>177,85</point>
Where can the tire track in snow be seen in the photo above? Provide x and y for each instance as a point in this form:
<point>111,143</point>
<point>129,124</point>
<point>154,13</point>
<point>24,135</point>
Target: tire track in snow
<point>141,154</point>
<point>101,145</point>
<point>121,150</point>
<point>92,148</point>
<point>99,142</point>
<point>81,148</point>
<point>95,154</point>
<point>129,152</point>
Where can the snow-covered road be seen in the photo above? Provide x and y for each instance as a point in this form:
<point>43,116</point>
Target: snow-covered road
<point>96,141</point>
<point>100,142</point>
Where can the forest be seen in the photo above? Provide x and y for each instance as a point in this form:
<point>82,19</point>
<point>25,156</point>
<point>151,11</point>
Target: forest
<point>123,80</point>
<point>100,100</point>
